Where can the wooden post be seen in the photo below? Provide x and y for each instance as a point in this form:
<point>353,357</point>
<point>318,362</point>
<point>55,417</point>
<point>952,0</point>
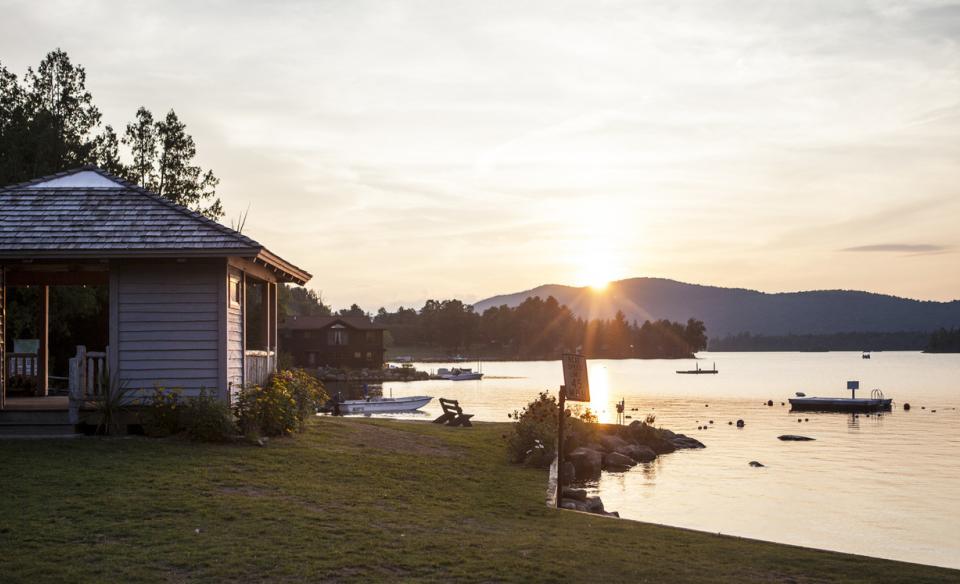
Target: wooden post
<point>561,416</point>
<point>43,385</point>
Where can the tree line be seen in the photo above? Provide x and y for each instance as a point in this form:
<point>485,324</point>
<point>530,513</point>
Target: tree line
<point>850,341</point>
<point>536,329</point>
<point>944,341</point>
<point>49,123</point>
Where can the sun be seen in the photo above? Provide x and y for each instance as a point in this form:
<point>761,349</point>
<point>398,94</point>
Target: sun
<point>599,285</point>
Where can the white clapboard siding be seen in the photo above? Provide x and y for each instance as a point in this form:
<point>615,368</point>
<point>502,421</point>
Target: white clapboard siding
<point>167,325</point>
<point>234,341</point>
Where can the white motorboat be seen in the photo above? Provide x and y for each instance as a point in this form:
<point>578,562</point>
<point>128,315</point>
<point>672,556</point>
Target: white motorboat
<point>458,374</point>
<point>384,405</point>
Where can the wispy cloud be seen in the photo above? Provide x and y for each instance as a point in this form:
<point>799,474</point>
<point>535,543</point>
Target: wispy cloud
<point>912,248</point>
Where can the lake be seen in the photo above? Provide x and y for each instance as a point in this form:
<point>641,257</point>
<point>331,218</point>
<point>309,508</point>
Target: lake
<point>880,485</point>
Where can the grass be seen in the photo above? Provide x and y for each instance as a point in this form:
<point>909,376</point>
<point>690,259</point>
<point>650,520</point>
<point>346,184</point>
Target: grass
<point>350,500</point>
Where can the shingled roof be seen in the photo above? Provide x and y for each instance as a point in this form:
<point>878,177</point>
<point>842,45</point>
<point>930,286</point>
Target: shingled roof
<point>89,213</point>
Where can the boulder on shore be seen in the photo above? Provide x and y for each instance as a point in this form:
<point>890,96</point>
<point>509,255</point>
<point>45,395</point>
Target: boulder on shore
<point>794,438</point>
<point>611,442</point>
<point>638,452</point>
<point>756,464</point>
<point>616,462</point>
<point>568,474</point>
<point>575,494</point>
<point>587,462</point>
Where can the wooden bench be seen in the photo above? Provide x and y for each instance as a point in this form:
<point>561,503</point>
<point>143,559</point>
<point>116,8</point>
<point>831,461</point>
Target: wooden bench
<point>452,414</point>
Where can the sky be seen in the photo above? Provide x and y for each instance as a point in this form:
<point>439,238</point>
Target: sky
<point>404,150</point>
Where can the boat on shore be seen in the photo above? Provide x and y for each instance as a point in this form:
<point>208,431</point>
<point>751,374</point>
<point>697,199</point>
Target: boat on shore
<point>699,371</point>
<point>875,403</point>
<point>458,374</point>
<point>382,405</point>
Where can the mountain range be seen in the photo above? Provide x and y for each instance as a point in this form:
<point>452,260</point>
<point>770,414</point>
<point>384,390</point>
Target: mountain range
<point>734,310</point>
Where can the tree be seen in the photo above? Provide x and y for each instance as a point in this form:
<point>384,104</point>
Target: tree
<point>300,301</point>
<point>62,114</point>
<point>178,179</point>
<point>141,137</point>
<point>354,310</point>
<point>107,152</point>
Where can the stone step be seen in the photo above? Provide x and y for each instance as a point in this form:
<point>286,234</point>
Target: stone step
<point>31,417</point>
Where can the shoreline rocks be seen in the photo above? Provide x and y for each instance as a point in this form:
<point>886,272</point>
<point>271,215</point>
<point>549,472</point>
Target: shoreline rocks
<point>794,438</point>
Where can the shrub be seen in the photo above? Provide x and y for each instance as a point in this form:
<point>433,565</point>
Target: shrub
<point>533,440</point>
<point>161,416</point>
<point>307,391</point>
<point>206,418</point>
<point>270,410</point>
<point>534,436</point>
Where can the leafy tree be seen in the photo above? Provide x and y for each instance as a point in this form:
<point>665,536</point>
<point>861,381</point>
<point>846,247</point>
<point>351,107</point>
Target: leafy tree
<point>300,301</point>
<point>354,310</point>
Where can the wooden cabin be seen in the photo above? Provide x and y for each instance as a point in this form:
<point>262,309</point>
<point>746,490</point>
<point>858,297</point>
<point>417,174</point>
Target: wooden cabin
<point>189,303</point>
<point>342,342</point>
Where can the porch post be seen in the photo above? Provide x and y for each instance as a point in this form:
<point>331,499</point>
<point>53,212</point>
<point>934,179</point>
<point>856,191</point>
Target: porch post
<point>43,385</point>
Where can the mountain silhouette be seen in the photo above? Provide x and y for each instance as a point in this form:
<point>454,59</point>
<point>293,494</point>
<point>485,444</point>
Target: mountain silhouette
<point>735,310</point>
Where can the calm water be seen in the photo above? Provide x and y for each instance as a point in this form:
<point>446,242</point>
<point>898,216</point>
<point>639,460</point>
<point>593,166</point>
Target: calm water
<point>885,486</point>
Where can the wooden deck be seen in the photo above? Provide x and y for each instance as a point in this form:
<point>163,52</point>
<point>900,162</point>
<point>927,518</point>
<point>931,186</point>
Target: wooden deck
<point>60,402</point>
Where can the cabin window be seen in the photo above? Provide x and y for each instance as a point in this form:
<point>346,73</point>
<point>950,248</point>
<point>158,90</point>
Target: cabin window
<point>235,292</point>
<point>311,359</point>
<point>369,356</point>
<point>337,337</point>
<point>356,355</point>
<point>255,316</point>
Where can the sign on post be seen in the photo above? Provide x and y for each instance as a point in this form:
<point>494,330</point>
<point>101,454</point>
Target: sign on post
<point>575,382</point>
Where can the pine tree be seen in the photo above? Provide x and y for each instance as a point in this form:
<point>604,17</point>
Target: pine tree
<point>141,137</point>
<point>106,153</point>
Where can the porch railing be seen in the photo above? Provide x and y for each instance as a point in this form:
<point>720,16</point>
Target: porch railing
<point>22,364</point>
<point>258,366</point>
<point>88,378</point>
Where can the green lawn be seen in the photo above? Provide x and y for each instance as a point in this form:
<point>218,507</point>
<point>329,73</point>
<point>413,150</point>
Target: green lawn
<point>349,500</point>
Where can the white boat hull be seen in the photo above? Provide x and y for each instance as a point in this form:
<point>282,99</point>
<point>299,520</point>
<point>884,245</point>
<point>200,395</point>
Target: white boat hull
<point>385,405</point>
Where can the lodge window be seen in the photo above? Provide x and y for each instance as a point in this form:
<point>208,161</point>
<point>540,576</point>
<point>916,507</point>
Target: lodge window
<point>369,356</point>
<point>235,291</point>
<point>371,336</point>
<point>311,359</point>
<point>337,337</point>
<point>356,355</point>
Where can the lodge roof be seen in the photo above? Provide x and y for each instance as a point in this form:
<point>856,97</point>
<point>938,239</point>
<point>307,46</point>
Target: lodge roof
<point>89,213</point>
<point>320,322</point>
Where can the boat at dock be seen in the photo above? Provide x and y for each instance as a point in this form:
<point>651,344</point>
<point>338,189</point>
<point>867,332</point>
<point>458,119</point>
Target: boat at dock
<point>458,374</point>
<point>865,355</point>
<point>699,371</point>
<point>875,403</point>
<point>384,405</point>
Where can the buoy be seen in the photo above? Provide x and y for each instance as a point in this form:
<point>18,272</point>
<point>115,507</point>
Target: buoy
<point>729,423</point>
<point>769,402</point>
<point>806,419</point>
<point>711,421</point>
<point>906,407</point>
<point>740,423</point>
<point>799,420</point>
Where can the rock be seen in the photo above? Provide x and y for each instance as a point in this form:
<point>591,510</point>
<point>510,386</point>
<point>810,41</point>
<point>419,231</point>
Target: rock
<point>616,462</point>
<point>770,402</point>
<point>611,514</point>
<point>586,461</point>
<point>756,464</point>
<point>594,505</point>
<point>681,441</point>
<point>740,423</point>
<point>610,443</point>
<point>574,505</point>
<point>794,438</point>
<point>575,494</point>
<point>637,452</point>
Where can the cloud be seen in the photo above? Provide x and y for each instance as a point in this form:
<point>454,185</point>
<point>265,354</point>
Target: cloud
<point>914,248</point>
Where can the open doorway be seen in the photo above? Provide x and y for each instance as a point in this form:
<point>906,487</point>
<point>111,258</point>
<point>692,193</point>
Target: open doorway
<point>77,315</point>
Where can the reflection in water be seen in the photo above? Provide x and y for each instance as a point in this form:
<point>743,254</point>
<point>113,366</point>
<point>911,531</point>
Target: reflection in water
<point>910,514</point>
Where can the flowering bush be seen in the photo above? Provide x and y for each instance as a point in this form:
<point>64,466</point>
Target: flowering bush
<point>307,391</point>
